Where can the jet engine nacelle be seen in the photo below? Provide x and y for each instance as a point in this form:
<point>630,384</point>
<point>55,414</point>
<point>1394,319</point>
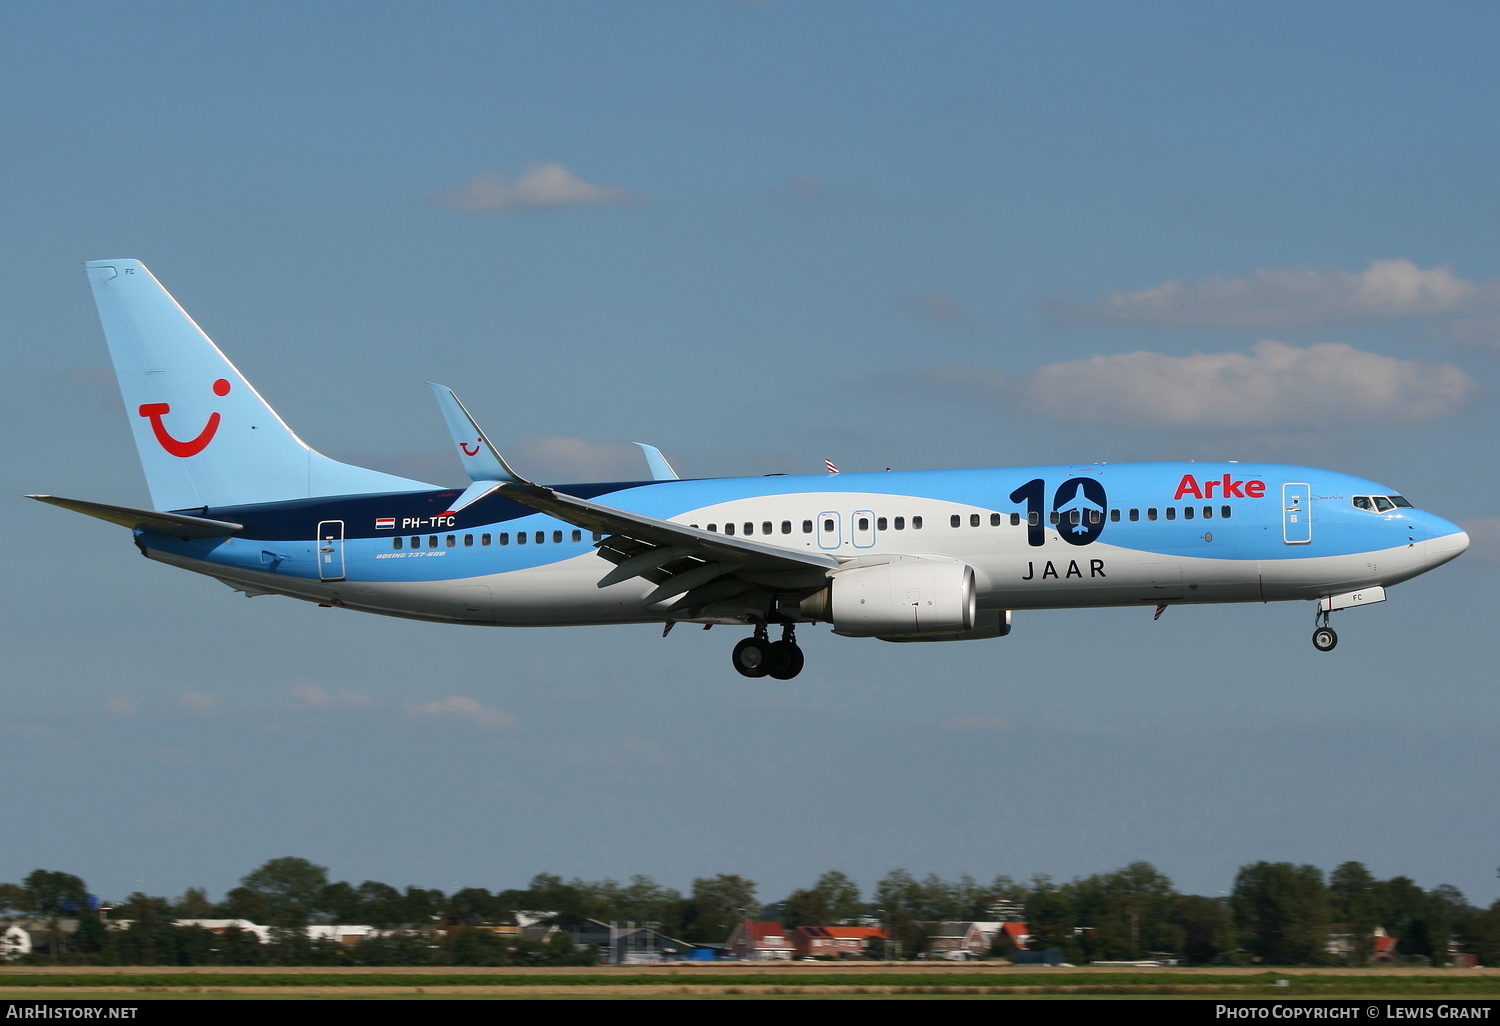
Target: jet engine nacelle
<point>910,596</point>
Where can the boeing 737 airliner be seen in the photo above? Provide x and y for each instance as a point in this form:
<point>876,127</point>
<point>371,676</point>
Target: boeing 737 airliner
<point>934,555</point>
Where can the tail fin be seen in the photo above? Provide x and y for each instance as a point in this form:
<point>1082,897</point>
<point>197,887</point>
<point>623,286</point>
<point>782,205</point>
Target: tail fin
<point>205,436</point>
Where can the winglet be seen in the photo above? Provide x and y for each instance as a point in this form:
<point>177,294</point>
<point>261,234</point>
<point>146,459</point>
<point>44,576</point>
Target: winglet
<point>661,470</point>
<point>480,458</point>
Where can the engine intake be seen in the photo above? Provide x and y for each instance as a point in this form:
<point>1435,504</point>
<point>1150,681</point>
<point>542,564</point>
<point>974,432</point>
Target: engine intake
<point>911,596</point>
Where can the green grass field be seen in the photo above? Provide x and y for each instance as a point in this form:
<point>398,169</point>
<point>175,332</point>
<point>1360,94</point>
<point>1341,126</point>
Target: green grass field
<point>746,981</point>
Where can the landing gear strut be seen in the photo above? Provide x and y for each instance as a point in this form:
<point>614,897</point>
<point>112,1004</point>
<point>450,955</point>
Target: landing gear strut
<point>758,656</point>
<point>1324,638</point>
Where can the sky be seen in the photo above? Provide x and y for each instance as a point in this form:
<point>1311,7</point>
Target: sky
<point>756,235</point>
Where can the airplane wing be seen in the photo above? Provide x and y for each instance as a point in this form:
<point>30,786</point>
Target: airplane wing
<point>688,565</point>
<point>178,524</point>
<point>697,565</point>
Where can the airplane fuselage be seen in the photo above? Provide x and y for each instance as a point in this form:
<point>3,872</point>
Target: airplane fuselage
<point>1147,534</point>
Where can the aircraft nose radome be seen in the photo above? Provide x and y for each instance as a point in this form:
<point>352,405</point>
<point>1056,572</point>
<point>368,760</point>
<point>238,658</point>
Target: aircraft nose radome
<point>1447,544</point>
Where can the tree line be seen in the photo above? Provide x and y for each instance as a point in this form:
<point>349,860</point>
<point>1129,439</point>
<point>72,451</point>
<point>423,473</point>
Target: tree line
<point>1276,913</point>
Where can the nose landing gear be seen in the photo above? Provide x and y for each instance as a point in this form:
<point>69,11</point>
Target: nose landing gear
<point>758,656</point>
<point>1324,637</point>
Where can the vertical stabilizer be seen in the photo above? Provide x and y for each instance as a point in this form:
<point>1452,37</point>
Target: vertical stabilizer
<point>205,436</point>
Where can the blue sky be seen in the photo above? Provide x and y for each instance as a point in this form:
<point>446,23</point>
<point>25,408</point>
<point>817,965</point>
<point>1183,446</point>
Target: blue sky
<point>757,235</point>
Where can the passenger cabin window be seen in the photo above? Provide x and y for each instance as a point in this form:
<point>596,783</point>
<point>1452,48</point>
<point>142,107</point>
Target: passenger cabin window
<point>786,527</point>
<point>1171,512</point>
<point>994,519</point>
<point>1114,516</point>
<point>1187,512</point>
<point>953,520</point>
<point>557,536</point>
<point>714,528</point>
<point>729,529</point>
<point>432,541</point>
<point>484,539</point>
<point>1055,518</point>
<point>900,523</point>
<point>880,523</point>
<point>469,540</point>
<point>1135,515</point>
<point>807,527</point>
<point>916,523</point>
<point>1223,512</point>
<point>520,537</point>
<point>765,528</point>
<point>578,536</point>
<point>828,526</point>
<point>1150,512</point>
<point>541,536</point>
<point>864,523</point>
<point>395,543</point>
<point>1033,519</point>
<point>504,537</point>
<point>973,519</point>
<point>1015,520</point>
<point>416,543</point>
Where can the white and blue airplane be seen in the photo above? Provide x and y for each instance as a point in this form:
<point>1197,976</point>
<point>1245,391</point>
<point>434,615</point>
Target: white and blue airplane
<point>930,555</point>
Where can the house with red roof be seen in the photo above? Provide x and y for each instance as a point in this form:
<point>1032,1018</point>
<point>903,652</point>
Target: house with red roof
<point>834,941</point>
<point>760,941</point>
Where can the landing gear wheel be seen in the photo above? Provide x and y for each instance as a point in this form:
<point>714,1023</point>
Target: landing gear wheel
<point>1324,639</point>
<point>786,660</point>
<point>752,657</point>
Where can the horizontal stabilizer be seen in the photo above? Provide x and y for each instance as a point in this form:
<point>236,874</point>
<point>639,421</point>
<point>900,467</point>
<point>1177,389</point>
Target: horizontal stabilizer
<point>178,524</point>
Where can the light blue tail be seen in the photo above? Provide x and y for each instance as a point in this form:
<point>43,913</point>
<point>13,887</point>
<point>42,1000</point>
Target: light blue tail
<point>205,436</point>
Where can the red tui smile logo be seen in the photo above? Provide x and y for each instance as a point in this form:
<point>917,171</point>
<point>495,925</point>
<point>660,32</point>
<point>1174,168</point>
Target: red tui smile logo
<point>465,448</point>
<point>193,446</point>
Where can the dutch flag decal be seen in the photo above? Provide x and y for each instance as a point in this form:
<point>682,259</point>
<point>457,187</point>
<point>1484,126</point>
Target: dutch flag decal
<point>385,523</point>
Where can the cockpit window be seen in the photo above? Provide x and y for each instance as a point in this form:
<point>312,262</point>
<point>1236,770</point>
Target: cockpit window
<point>1363,502</point>
<point>1382,503</point>
<point>1401,501</point>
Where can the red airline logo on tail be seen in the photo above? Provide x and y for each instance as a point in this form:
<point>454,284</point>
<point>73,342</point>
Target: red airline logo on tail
<point>193,446</point>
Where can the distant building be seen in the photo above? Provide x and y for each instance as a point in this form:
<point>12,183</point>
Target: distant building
<point>962,940</point>
<point>760,941</point>
<point>834,941</point>
<point>629,944</point>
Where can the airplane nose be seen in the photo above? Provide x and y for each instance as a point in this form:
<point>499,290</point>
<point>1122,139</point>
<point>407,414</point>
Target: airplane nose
<point>1448,541</point>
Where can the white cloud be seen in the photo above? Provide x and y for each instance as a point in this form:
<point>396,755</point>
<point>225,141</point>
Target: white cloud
<point>200,703</point>
<point>1484,536</point>
<point>122,705</point>
<point>315,697</point>
<point>1385,290</point>
<point>468,708</point>
<point>561,458</point>
<point>539,187</point>
<point>1274,385</point>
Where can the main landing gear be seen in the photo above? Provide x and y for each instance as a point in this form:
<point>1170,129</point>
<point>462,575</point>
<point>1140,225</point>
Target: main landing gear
<point>1324,638</point>
<point>758,656</point>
